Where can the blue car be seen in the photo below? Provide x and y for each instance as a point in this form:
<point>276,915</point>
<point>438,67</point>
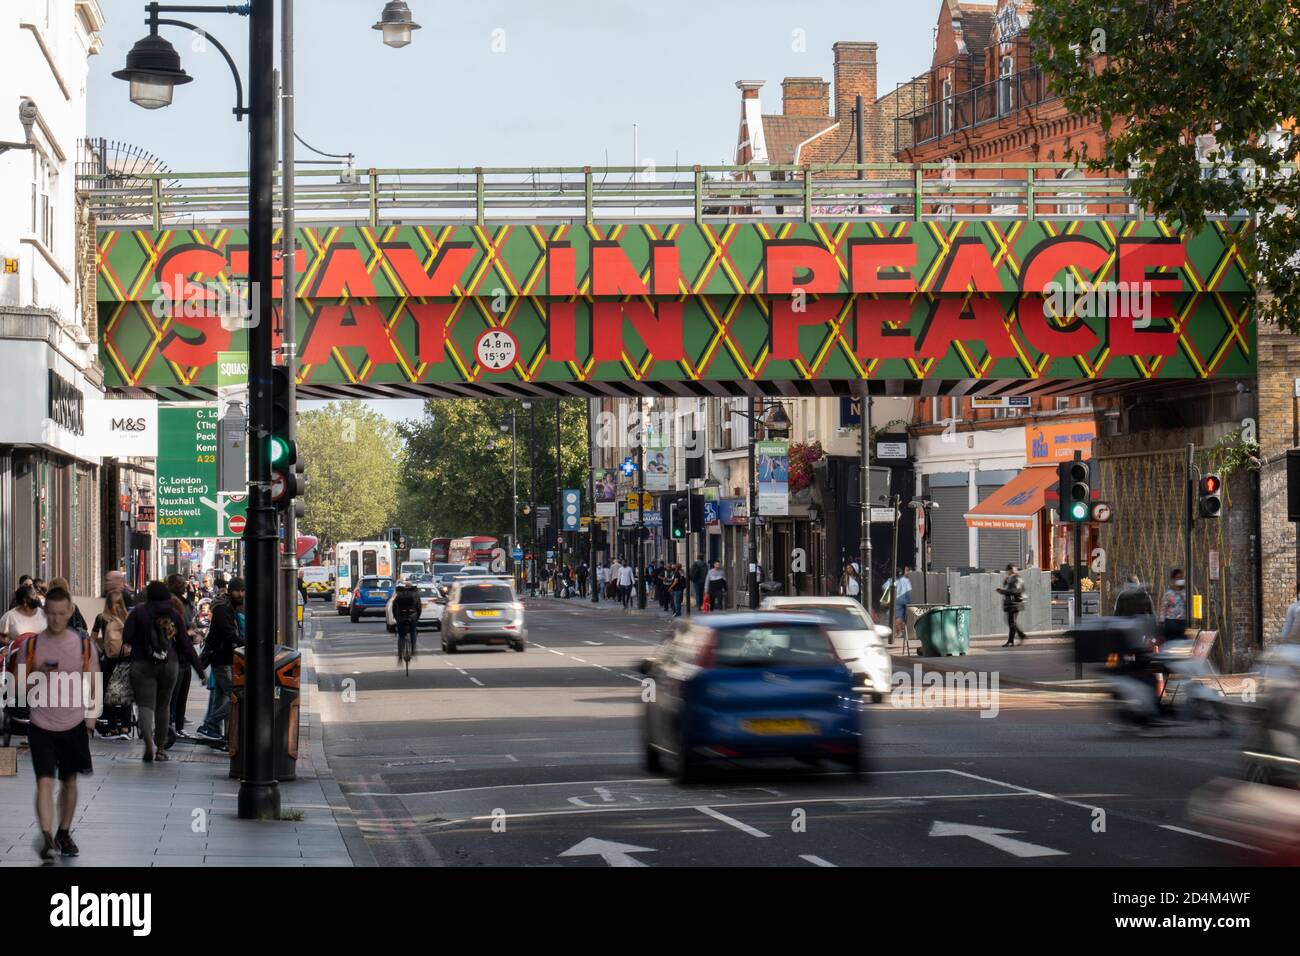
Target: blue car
<point>730,687</point>
<point>371,596</point>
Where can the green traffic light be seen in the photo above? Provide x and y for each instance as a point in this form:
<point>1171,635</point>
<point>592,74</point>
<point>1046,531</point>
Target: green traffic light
<point>279,448</point>
<point>1079,511</point>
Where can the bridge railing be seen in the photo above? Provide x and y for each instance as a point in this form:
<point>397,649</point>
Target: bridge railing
<point>806,193</point>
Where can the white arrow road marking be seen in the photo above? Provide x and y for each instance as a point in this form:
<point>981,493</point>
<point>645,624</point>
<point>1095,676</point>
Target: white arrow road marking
<point>994,838</point>
<point>615,854</point>
<point>732,821</point>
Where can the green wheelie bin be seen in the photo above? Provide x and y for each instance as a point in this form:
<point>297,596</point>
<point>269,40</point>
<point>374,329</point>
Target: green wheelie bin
<point>944,631</point>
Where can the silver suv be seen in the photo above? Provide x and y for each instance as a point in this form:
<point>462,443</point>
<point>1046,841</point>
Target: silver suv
<point>483,612</point>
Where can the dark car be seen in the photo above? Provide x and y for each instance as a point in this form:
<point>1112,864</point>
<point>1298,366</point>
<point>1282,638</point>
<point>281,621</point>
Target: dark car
<point>371,596</point>
<point>750,685</point>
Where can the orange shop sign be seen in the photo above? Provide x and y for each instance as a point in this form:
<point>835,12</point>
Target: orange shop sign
<point>1058,441</point>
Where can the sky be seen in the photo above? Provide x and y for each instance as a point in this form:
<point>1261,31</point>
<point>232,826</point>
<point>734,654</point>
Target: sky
<point>506,82</point>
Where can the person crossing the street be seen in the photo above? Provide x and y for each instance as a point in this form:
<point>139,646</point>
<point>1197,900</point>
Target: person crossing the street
<point>1013,601</point>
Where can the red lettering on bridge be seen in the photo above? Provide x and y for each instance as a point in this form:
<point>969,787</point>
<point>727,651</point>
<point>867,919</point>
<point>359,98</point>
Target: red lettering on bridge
<point>448,267</point>
<point>354,325</point>
<point>659,328</point>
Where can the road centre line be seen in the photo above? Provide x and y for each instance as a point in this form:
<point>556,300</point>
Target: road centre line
<point>732,821</point>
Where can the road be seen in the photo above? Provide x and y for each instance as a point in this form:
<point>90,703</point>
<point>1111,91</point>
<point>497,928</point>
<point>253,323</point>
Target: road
<point>496,758</point>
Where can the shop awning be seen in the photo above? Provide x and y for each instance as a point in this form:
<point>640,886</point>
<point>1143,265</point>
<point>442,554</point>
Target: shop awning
<point>1015,503</point>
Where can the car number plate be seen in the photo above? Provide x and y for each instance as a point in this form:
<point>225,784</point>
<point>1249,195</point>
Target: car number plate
<point>487,613</point>
<point>779,727</point>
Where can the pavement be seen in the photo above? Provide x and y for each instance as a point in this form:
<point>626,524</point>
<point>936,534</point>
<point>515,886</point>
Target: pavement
<point>183,812</point>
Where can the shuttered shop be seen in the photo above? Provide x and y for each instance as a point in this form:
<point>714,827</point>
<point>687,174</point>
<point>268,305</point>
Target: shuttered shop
<point>949,537</point>
<point>999,547</point>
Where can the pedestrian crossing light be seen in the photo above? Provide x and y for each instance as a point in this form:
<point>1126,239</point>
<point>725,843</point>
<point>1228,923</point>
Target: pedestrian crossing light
<point>1074,488</point>
<point>1211,501</point>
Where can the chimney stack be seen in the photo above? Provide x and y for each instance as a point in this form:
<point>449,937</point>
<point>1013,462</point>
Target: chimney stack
<point>805,96</point>
<point>855,73</point>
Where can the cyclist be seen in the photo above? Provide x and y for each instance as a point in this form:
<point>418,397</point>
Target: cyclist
<point>406,612</point>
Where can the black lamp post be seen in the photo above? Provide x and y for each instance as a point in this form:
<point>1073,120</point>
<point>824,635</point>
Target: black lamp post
<point>153,69</point>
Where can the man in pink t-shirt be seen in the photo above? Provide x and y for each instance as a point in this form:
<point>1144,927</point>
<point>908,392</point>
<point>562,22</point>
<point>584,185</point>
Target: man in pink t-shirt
<point>64,696</point>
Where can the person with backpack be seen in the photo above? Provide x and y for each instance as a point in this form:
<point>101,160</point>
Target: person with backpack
<point>114,653</point>
<point>406,608</point>
<point>158,639</point>
<point>699,575</point>
<point>225,633</point>
<point>183,602</point>
<point>62,717</point>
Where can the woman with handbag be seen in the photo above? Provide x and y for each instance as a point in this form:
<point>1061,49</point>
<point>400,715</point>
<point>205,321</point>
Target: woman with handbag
<point>115,654</point>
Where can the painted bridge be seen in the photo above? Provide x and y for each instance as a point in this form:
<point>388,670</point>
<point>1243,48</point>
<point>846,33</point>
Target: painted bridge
<point>917,280</point>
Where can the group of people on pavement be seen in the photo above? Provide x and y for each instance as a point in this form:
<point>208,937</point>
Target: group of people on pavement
<point>139,650</point>
<point>666,581</point>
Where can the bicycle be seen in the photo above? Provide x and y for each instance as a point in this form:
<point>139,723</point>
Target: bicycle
<point>405,646</point>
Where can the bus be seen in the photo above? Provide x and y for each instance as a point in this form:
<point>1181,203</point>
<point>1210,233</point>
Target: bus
<point>310,552</point>
<point>475,550</point>
<point>358,559</point>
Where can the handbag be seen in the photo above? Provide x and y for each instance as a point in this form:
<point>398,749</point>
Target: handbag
<point>118,692</point>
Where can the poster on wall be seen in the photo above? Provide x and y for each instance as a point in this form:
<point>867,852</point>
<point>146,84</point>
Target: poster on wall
<point>606,484</point>
<point>773,459</point>
<point>658,463</point>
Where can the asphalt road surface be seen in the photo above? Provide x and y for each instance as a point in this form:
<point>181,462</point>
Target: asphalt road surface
<point>496,758</point>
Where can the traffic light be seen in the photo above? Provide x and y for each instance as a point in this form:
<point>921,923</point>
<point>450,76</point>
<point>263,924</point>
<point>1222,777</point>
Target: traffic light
<point>1293,484</point>
<point>1074,488</point>
<point>680,515</point>
<point>1211,490</point>
<point>280,447</point>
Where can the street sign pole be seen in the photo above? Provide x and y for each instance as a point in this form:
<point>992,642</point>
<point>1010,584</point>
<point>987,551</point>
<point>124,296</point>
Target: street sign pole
<point>640,510</point>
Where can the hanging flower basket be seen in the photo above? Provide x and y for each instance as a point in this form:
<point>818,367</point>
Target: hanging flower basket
<point>802,458</point>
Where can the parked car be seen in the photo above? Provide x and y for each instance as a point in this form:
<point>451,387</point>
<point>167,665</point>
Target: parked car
<point>483,612</point>
<point>744,685</point>
<point>371,597</point>
<point>859,641</point>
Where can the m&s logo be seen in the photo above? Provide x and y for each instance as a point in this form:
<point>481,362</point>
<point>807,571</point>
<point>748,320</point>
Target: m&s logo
<point>127,425</point>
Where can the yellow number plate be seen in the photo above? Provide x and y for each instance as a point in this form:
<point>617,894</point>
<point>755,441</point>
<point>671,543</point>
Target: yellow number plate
<point>487,613</point>
<point>779,727</point>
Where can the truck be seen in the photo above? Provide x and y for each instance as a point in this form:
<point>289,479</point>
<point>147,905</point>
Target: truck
<point>415,562</point>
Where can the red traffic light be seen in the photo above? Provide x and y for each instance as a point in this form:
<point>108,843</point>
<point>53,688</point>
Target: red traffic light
<point>1211,485</point>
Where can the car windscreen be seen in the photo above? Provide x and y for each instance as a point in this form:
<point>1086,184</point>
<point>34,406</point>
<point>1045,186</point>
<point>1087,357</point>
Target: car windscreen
<point>428,592</point>
<point>486,594</point>
<point>786,644</point>
<point>843,617</point>
<point>442,568</point>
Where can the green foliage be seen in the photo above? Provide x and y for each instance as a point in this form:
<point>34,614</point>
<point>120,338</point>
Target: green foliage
<point>453,483</point>
<point>1161,73</point>
<point>1231,453</point>
<point>351,453</point>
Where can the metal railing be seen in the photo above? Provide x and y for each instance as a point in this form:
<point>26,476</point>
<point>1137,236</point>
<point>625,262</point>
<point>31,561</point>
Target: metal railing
<point>808,193</point>
<point>1001,99</point>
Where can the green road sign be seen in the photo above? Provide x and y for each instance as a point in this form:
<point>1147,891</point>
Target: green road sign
<point>187,471</point>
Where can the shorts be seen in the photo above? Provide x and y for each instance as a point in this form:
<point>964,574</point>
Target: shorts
<point>67,751</point>
<point>900,610</point>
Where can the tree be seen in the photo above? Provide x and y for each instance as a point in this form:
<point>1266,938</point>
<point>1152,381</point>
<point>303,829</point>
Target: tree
<point>1167,76</point>
<point>456,477</point>
<point>352,458</point>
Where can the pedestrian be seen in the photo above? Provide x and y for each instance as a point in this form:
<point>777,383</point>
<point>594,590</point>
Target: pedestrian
<point>902,586</point>
<point>107,635</point>
<point>1013,599</point>
<point>849,581</point>
<point>25,617</point>
<point>677,588</point>
<point>626,582</point>
<point>61,719</point>
<point>23,582</point>
<point>602,575</point>
<point>1133,599</point>
<point>661,585</point>
<point>699,575</point>
<point>716,587</point>
<point>41,587</point>
<point>1173,607</point>
<point>225,633</point>
<point>583,572</point>
<point>1291,624</point>
<point>156,632</point>
<point>181,692</point>
<point>611,579</point>
<point>78,621</point>
<point>116,581</point>
<point>405,609</point>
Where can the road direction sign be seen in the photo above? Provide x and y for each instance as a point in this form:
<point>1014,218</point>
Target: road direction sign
<point>517,553</point>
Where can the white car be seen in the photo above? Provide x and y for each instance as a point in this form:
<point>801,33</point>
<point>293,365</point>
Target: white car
<point>858,640</point>
<point>431,608</point>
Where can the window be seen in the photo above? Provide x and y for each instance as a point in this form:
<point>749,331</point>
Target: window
<point>368,564</point>
<point>1006,97</point>
<point>946,97</point>
<point>1062,404</point>
<point>1085,401</point>
<point>1004,412</point>
<point>44,180</point>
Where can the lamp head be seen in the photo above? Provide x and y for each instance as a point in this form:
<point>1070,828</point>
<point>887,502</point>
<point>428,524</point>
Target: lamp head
<point>153,68</point>
<point>396,24</point>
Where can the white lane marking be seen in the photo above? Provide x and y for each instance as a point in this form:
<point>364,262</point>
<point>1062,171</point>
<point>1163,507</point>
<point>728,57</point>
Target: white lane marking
<point>631,677</point>
<point>579,660</point>
<point>1206,836</point>
<point>732,821</point>
<point>554,651</point>
<point>594,643</point>
<point>512,758</point>
<point>816,860</point>
<point>994,837</point>
<point>1030,790</point>
<point>615,854</point>
<point>477,681</point>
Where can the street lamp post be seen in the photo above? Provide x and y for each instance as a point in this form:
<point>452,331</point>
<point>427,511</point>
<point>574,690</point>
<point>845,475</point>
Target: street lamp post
<point>778,423</point>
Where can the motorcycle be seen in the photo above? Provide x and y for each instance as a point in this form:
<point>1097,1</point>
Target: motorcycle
<point>1164,683</point>
<point>1273,752</point>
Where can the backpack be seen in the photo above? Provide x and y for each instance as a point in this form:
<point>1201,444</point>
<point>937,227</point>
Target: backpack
<point>161,637</point>
<point>31,653</point>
